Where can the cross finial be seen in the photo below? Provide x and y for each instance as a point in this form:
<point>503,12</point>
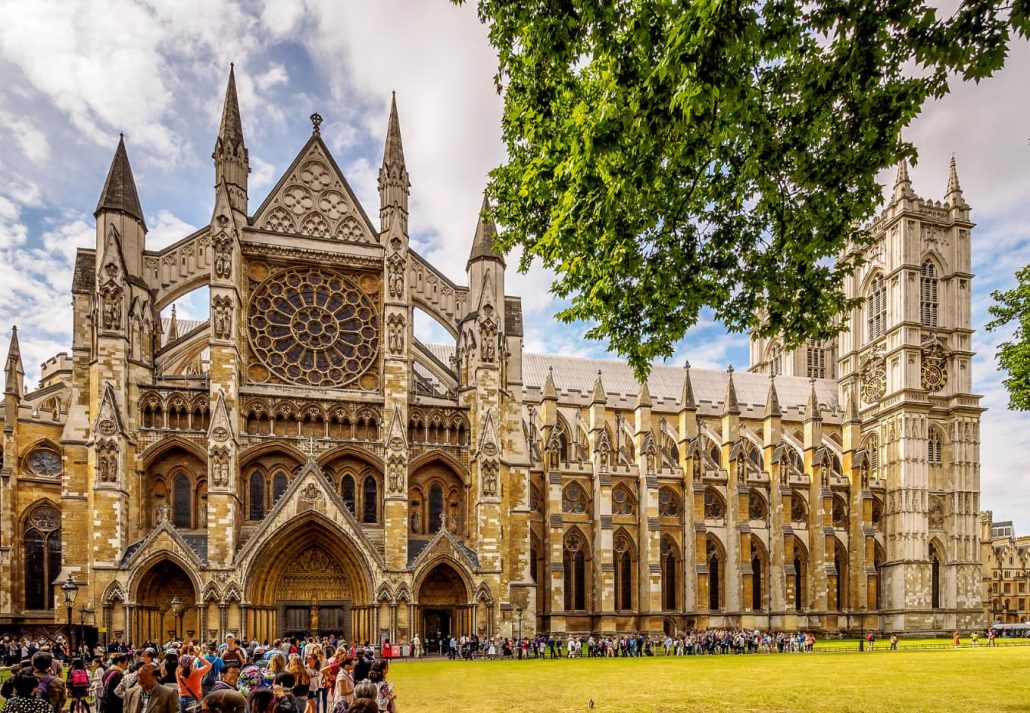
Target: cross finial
<point>316,123</point>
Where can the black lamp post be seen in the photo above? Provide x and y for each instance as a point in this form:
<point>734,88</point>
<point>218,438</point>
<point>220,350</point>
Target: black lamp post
<point>70,590</point>
<point>176,608</point>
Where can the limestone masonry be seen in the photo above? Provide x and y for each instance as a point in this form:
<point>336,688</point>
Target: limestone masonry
<point>299,462</point>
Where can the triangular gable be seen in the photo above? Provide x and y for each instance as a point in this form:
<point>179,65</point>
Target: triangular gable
<point>112,262</point>
<point>221,426</point>
<point>314,199</point>
<point>163,539</point>
<point>397,436</point>
<point>489,445</point>
<point>446,544</point>
<point>311,491</point>
<point>108,421</point>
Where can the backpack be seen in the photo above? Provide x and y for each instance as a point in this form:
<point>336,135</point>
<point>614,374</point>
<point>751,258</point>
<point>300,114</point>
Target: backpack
<point>43,689</point>
<point>80,677</point>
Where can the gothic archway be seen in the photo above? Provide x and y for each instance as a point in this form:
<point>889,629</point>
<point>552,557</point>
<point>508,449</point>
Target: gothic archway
<point>166,603</point>
<point>309,578</point>
<point>444,604</point>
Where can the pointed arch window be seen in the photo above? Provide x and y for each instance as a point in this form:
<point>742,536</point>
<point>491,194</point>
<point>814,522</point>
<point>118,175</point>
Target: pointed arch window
<point>668,503</point>
<point>347,491</point>
<point>714,574</point>
<point>840,562</point>
<point>935,578</point>
<point>574,566</point>
<point>42,556</point>
<point>876,309</point>
<point>776,360</point>
<point>257,496</point>
<point>934,449</point>
<point>573,499</point>
<point>370,500</point>
<point>435,506</point>
<point>279,484</point>
<point>623,573</point>
<point>756,579</point>
<point>182,503</point>
<point>622,501</point>
<point>669,578</point>
<point>799,583</point>
<point>928,283</point>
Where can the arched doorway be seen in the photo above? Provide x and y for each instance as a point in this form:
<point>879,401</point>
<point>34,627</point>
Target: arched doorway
<point>309,579</point>
<point>154,617</point>
<point>444,608</point>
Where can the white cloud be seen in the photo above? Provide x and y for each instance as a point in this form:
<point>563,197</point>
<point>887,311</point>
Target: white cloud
<point>165,229</point>
<point>29,139</point>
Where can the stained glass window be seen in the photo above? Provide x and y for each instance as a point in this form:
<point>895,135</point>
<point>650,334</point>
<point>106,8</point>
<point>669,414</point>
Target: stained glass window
<point>257,495</point>
<point>370,500</point>
<point>42,550</point>
<point>182,503</point>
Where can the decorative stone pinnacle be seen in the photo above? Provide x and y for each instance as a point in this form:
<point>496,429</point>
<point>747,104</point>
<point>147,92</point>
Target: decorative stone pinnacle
<point>316,123</point>
<point>729,369</point>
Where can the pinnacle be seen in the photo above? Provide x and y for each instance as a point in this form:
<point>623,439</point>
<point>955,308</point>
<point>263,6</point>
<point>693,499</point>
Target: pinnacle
<point>394,150</point>
<point>598,394</point>
<point>644,396</point>
<point>903,185</point>
<point>772,401</point>
<point>954,196</point>
<point>13,371</point>
<point>687,395</point>
<point>550,392</point>
<point>730,405</point>
<point>231,129</point>
<point>812,412</point>
<point>486,234</point>
<point>119,192</point>
<point>851,406</point>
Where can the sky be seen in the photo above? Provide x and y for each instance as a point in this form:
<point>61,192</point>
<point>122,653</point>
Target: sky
<point>75,73</point>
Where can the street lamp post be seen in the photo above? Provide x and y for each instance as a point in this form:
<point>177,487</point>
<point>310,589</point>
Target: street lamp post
<point>70,590</point>
<point>176,608</point>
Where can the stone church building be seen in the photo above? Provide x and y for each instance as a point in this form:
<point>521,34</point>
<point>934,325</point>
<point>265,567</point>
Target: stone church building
<point>299,462</point>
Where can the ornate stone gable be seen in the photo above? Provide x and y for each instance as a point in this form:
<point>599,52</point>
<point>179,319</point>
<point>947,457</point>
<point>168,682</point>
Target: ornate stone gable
<point>310,492</point>
<point>445,545</point>
<point>313,199</point>
<point>162,540</point>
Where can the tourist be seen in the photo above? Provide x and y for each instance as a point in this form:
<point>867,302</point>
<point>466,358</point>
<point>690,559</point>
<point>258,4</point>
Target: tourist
<point>312,669</point>
<point>78,686</point>
<point>416,647</point>
<point>955,638</point>
<point>301,684</point>
<point>363,706</point>
<point>214,672</point>
<point>343,686</point>
<point>228,680</point>
<point>975,637</point>
<point>366,691</point>
<point>24,685</point>
<point>286,701</point>
<point>277,663</point>
<point>96,686</point>
<point>149,695</point>
<point>233,652</point>
<point>51,685</point>
<point>261,700</point>
<point>385,694</point>
<point>189,676</point>
<point>111,702</point>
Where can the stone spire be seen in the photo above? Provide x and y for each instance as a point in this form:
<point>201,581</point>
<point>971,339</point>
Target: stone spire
<point>954,196</point>
<point>772,401</point>
<point>598,396</point>
<point>232,160</point>
<point>393,180</point>
<point>119,192</point>
<point>687,395</point>
<point>730,405</point>
<point>812,412</point>
<point>550,393</point>
<point>14,383</point>
<point>643,396</point>
<point>173,328</point>
<point>486,233</point>
<point>851,414</point>
<point>902,185</point>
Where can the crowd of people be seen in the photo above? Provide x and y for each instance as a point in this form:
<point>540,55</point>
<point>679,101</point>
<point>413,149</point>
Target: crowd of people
<point>291,676</point>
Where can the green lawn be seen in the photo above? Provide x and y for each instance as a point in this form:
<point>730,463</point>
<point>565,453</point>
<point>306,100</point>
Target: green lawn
<point>909,680</point>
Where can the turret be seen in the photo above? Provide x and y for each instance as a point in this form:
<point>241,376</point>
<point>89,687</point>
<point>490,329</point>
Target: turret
<point>773,415</point>
<point>730,411</point>
<point>14,382</point>
<point>549,401</point>
<point>813,420</point>
<point>902,184</point>
<point>642,410</point>
<point>232,160</point>
<point>119,209</point>
<point>687,412</point>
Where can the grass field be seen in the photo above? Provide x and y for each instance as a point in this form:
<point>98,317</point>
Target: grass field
<point>907,680</point>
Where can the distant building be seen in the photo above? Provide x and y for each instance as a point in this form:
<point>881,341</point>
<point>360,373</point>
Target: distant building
<point>1006,568</point>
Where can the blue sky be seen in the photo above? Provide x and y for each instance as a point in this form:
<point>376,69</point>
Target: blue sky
<point>75,74</point>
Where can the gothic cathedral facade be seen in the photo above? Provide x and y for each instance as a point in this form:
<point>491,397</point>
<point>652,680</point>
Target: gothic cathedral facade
<point>300,463</point>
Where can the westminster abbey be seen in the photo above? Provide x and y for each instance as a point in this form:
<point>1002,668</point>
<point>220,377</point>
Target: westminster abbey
<point>300,463</point>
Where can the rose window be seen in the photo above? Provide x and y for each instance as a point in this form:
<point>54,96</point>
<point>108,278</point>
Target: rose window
<point>313,327</point>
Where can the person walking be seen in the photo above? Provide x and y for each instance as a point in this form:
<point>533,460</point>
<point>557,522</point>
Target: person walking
<point>78,686</point>
<point>189,677</point>
<point>149,696</point>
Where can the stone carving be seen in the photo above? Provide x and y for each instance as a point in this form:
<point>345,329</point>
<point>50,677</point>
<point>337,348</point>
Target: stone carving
<point>311,493</point>
<point>220,465</point>
<point>45,518</point>
<point>111,307</point>
<point>222,244</point>
<point>396,468</point>
<point>396,276</point>
<point>934,370</point>
<point>395,338</point>
<point>107,462</point>
<point>874,376</point>
<point>221,317</point>
<point>489,471</point>
<point>488,335</point>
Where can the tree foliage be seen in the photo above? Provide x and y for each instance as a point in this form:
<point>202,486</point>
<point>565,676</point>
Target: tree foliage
<point>1012,308</point>
<point>665,156</point>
